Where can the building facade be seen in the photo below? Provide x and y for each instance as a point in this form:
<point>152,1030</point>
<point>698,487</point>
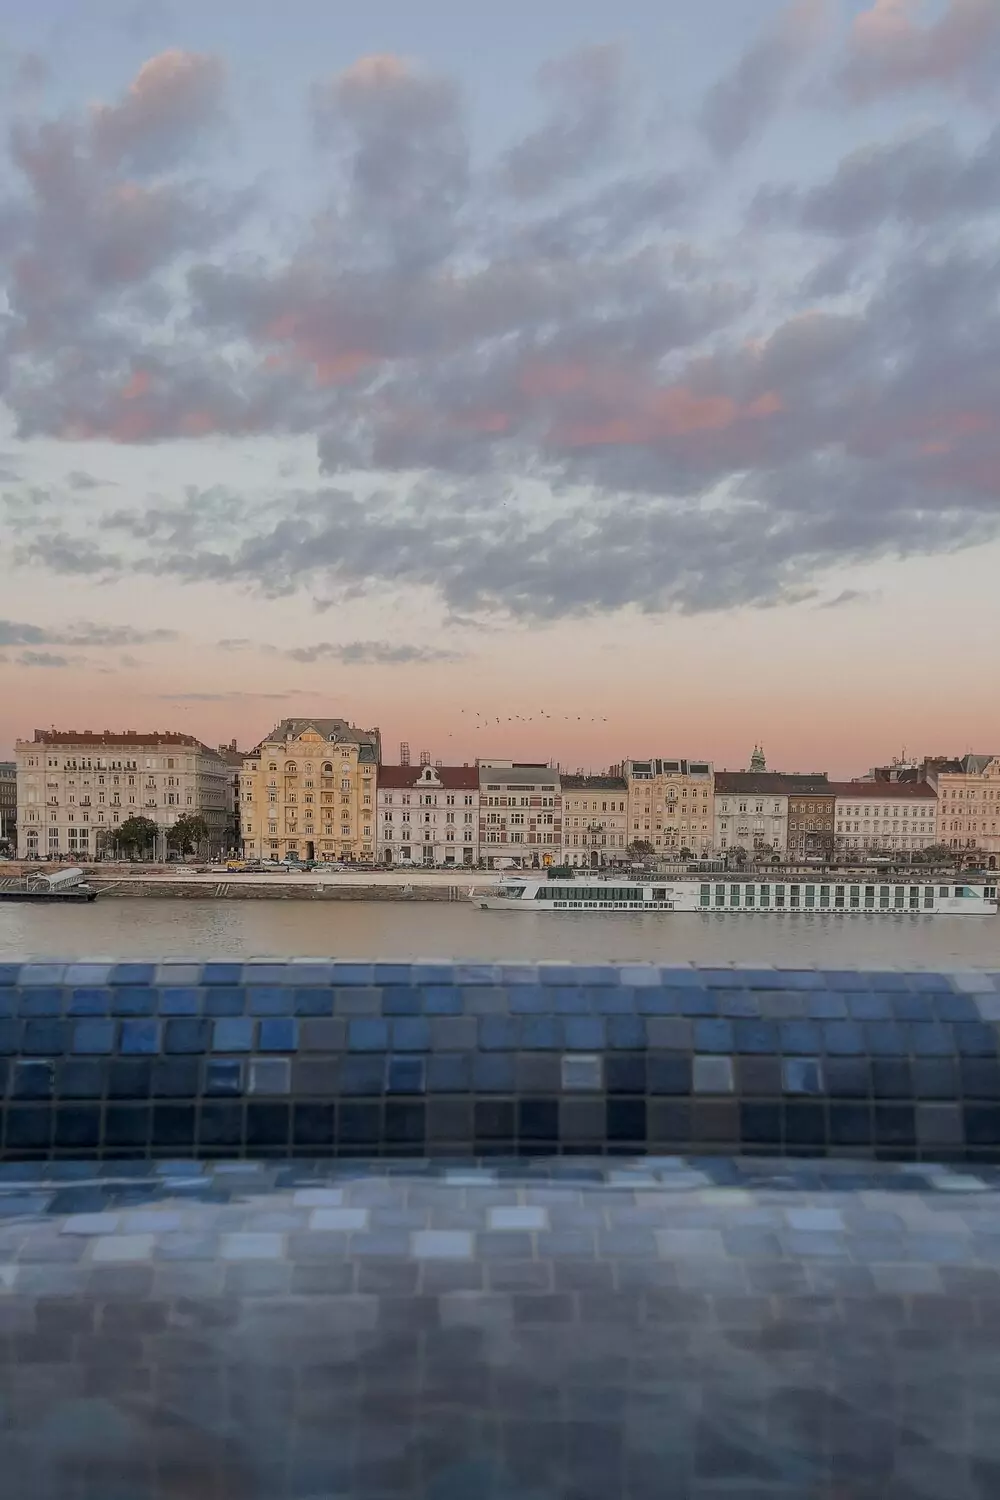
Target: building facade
<point>751,809</point>
<point>308,792</point>
<point>595,820</point>
<point>428,815</point>
<point>884,817</point>
<point>8,802</point>
<point>968,806</point>
<point>670,805</point>
<point>520,814</point>
<point>74,787</point>
<point>811,819</point>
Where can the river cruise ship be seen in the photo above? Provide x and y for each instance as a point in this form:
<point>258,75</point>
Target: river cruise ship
<point>749,896</point>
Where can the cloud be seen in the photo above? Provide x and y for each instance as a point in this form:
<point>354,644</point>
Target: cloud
<point>923,180</point>
<point>889,50</point>
<point>78,479</point>
<point>742,102</point>
<point>85,633</point>
<point>373,653</point>
<point>588,100</point>
<point>850,596</point>
<point>173,100</point>
<point>228,697</point>
<point>45,659</point>
<point>397,133</point>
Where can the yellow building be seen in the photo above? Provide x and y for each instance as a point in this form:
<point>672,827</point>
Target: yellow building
<point>671,805</point>
<point>309,791</point>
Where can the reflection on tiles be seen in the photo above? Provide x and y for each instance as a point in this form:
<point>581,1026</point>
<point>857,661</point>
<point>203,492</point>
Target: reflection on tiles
<point>567,1328</point>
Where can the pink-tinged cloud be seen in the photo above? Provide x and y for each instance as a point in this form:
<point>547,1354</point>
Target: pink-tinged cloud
<point>173,97</point>
<point>594,407</point>
<point>892,47</point>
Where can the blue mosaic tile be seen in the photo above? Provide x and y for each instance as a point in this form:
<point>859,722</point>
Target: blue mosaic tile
<point>658,1000</point>
<point>975,1038</point>
<point>369,1035</point>
<point>713,1035</point>
<point>405,1075</point>
<point>682,977</point>
<point>186,1035</point>
<point>233,1034</point>
<point>449,1072</point>
<point>401,1000</point>
<point>528,999</point>
<point>180,1001</point>
<point>44,1038</point>
<point>802,1075</point>
<point>317,1001</point>
<point>307,972</point>
<point>93,1036</point>
<point>755,1036</point>
<point>930,1040</point>
<point>133,1000</point>
<point>410,1034</point>
<point>542,1033</point>
<point>391,974</point>
<point>493,1072</point>
<point>223,1076</point>
<point>224,1000</point>
<point>32,1080</point>
<point>499,1033</point>
<point>131,974</point>
<point>641,976</point>
<point>222,973</point>
<point>885,1038</point>
<point>277,1034</point>
<point>625,1033</point>
<point>952,1007</point>
<point>44,1000</point>
<point>612,1000</point>
<point>41,974</point>
<point>353,974</point>
<point>912,1007</point>
<point>584,1033</point>
<point>843,1038</point>
<point>567,1000</point>
<point>140,1037</point>
<point>174,973</point>
<point>362,1073</point>
<point>804,1037</point>
<point>269,1000</point>
<point>826,1005</point>
<point>357,1000</point>
<point>9,998</point>
<point>10,1037</point>
<point>735,1004</point>
<point>865,1005</point>
<point>263,972</point>
<point>431,971</point>
<point>88,1001</point>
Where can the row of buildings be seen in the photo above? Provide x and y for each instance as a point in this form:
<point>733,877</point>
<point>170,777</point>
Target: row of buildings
<point>318,788</point>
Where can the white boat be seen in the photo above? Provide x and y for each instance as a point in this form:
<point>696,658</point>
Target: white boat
<point>612,894</point>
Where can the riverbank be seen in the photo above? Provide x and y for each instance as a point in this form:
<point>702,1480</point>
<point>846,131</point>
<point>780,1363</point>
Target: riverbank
<point>301,888</point>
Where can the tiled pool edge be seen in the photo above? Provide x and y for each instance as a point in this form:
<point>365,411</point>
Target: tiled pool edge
<point>302,1057</point>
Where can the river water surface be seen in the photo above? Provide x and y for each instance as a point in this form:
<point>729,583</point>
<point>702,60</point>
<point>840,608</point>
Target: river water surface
<point>129,927</point>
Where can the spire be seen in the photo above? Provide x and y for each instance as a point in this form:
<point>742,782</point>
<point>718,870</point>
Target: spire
<point>757,761</point>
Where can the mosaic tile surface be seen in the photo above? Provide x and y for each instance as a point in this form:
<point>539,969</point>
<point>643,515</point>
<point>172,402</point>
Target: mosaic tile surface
<point>129,1060</point>
<point>692,1328</point>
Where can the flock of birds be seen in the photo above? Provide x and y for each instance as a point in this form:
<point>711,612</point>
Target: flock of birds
<point>487,721</point>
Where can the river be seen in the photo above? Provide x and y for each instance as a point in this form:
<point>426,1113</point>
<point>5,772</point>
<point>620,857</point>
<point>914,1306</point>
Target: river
<point>132,928</point>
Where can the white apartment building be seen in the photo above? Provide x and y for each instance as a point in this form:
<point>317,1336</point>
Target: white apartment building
<point>428,815</point>
<point>670,805</point>
<point>751,809</point>
<point>520,814</point>
<point>968,806</point>
<point>595,820</point>
<point>75,786</point>
<point>884,816</point>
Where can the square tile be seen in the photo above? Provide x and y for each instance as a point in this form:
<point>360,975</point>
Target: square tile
<point>582,1073</point>
<point>518,1217</point>
<point>95,1224</point>
<point>712,1075</point>
<point>442,1244</point>
<point>815,1220</point>
<point>344,1220</point>
<point>802,1075</point>
<point>121,1249</point>
<point>233,1034</point>
<point>93,1036</point>
<point>939,1124</point>
<point>318,1198</point>
<point>277,1034</point>
<point>249,1246</point>
<point>405,1075</point>
<point>270,1075</point>
<point>140,1038</point>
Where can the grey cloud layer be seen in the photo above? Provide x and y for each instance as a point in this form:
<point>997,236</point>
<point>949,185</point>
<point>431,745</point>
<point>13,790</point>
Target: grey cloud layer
<point>85,633</point>
<point>540,384</point>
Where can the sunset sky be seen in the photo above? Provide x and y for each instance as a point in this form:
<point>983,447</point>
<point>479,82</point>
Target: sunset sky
<point>628,374</point>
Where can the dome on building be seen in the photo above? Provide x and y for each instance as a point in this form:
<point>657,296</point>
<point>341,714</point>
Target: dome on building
<point>757,761</point>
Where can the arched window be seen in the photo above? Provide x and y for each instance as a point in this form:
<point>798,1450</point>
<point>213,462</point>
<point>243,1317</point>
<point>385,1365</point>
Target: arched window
<point>327,768</point>
<point>290,767</point>
<point>272,765</point>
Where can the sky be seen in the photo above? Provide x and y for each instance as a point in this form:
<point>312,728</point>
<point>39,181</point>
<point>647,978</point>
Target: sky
<point>569,382</point>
